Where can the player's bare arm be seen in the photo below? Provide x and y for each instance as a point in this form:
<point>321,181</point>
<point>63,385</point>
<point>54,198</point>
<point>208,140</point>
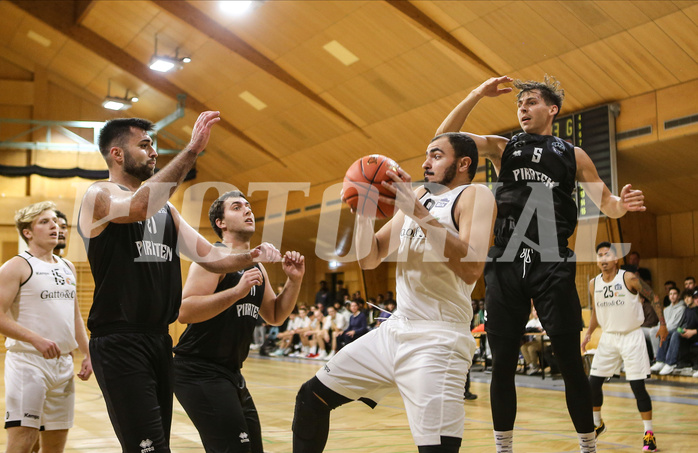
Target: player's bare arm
<point>489,146</point>
<point>81,336</point>
<point>611,205</point>
<point>475,214</point>
<point>218,260</point>
<point>107,201</point>
<point>639,286</point>
<point>593,322</point>
<point>276,308</point>
<point>200,302</point>
<point>372,248</point>
<point>12,274</point>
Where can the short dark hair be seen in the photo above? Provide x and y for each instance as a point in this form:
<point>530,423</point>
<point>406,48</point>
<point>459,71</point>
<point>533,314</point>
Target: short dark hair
<point>60,215</point>
<point>463,146</point>
<point>675,289</point>
<point>689,278</point>
<point>116,131</point>
<point>549,90</point>
<point>217,208</point>
<point>670,282</point>
<point>606,244</point>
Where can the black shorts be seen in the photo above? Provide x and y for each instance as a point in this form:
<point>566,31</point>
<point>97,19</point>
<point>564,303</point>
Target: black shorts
<point>510,286</point>
<point>217,401</point>
<point>134,372</point>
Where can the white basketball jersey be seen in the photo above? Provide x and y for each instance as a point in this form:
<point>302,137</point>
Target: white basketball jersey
<point>426,288</point>
<point>45,304</point>
<point>617,309</point>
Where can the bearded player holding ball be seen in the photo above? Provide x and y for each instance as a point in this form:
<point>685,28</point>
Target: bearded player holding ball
<point>425,348</point>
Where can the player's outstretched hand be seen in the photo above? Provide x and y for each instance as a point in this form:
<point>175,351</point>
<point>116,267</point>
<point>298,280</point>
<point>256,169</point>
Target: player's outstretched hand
<point>632,200</point>
<point>85,369</point>
<point>265,253</point>
<point>202,130</point>
<point>293,264</point>
<point>490,87</point>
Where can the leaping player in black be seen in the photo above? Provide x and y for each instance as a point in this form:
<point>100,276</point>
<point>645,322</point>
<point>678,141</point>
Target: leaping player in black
<point>536,215</point>
<point>222,310</point>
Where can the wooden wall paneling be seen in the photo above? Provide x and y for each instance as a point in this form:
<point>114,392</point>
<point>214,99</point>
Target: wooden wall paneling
<point>637,112</point>
<point>695,232</point>
<point>664,237</point>
<point>9,249</point>
<point>668,108</point>
<point>682,233</point>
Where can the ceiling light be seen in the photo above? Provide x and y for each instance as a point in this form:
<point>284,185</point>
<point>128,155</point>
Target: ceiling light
<point>166,63</point>
<point>253,100</point>
<point>116,103</point>
<point>235,7</point>
<point>340,52</point>
<point>42,40</point>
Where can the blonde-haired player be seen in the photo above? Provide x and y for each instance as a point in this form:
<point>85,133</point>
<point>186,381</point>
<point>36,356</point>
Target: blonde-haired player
<point>40,317</point>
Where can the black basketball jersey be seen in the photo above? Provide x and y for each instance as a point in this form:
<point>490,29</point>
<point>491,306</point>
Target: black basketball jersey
<point>138,282</point>
<point>224,339</point>
<point>549,162</point>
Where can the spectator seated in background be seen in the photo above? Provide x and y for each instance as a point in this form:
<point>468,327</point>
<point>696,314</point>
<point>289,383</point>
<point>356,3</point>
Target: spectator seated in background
<point>632,264</point>
<point>358,326</point>
<point>302,346</point>
<point>667,287</point>
<point>688,333</point>
<point>334,323</point>
<point>313,332</point>
<point>286,337</point>
<point>532,344</point>
<point>667,355</point>
<point>387,312</point>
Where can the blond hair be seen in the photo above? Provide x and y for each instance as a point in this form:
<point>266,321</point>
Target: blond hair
<point>26,216</point>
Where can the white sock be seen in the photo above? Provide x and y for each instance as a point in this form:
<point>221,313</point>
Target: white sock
<point>504,441</point>
<point>597,418</point>
<point>648,425</point>
<point>587,442</point>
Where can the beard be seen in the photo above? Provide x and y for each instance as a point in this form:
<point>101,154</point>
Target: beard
<point>60,245</point>
<point>140,171</point>
<point>449,175</point>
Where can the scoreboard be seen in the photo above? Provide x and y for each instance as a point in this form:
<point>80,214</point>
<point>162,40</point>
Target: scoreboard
<point>594,131</point>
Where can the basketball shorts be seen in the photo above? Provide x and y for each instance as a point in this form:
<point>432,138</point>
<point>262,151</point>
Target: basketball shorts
<point>134,372</point>
<point>219,404</point>
<point>39,392</point>
<point>512,284</point>
<point>615,349</point>
<point>426,360</point>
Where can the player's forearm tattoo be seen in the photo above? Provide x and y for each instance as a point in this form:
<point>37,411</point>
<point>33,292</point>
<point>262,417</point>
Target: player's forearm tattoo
<point>647,293</point>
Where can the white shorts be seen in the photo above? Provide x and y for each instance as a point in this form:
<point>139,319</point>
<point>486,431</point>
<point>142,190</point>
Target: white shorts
<point>426,360</point>
<point>615,349</point>
<point>39,393</point>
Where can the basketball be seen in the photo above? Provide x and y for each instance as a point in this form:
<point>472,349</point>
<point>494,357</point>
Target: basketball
<point>362,186</point>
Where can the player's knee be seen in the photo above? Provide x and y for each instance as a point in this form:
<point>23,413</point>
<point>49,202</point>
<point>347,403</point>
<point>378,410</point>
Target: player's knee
<point>314,402</point>
<point>448,445</point>
<point>644,402</point>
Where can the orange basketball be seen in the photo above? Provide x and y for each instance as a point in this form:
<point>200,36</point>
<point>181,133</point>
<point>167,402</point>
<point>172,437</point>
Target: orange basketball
<point>362,185</point>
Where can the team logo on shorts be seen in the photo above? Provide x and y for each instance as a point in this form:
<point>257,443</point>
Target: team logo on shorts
<point>327,369</point>
<point>146,446</point>
<point>244,438</point>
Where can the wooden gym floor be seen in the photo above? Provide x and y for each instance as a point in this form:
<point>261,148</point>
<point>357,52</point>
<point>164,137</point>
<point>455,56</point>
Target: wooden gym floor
<point>543,424</point>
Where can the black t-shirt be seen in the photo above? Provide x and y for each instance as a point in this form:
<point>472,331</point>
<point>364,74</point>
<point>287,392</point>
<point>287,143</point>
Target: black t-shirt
<point>224,339</point>
<point>549,162</point>
<point>138,281</point>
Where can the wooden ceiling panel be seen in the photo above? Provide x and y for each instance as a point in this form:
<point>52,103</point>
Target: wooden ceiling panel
<point>275,28</point>
<point>661,48</point>
<point>585,66</point>
<point>40,54</point>
<point>10,20</point>
<point>69,63</point>
<point>615,67</point>
<point>656,9</point>
<point>120,22</point>
<point>645,65</point>
<point>482,50</point>
<point>605,23</point>
<point>682,31</point>
<point>564,21</point>
<point>464,12</point>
